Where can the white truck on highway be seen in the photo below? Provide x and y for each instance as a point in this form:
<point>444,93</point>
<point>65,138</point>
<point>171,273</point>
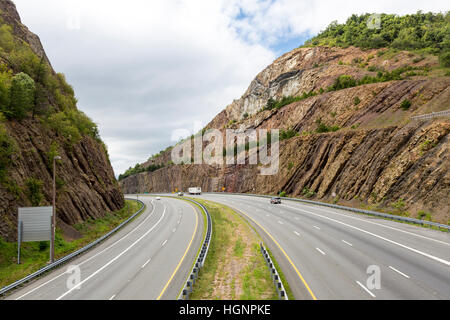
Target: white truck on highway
<point>195,190</point>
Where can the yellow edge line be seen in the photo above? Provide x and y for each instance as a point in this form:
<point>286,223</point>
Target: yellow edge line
<point>195,207</point>
<point>181,261</point>
<point>284,252</point>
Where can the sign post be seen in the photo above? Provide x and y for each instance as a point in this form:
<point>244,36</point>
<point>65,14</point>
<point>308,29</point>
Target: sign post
<point>19,240</point>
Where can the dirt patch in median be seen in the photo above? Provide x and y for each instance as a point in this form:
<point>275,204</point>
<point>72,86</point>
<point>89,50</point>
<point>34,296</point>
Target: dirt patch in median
<point>235,268</point>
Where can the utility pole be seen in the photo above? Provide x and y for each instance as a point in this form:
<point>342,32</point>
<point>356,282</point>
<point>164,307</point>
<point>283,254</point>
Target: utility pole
<point>53,227</point>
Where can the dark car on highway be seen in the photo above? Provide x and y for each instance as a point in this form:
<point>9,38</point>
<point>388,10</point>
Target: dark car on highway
<point>276,200</point>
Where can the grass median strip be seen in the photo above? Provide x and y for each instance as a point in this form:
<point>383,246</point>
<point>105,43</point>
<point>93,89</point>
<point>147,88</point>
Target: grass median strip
<point>35,255</point>
<point>234,268</point>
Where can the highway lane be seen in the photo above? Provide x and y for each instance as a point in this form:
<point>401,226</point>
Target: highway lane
<point>150,258</point>
<point>330,251</point>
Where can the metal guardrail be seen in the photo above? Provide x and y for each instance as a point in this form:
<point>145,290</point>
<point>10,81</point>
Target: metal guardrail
<point>282,295</point>
<point>432,115</point>
<point>193,276</point>
<point>70,256</point>
<point>335,206</point>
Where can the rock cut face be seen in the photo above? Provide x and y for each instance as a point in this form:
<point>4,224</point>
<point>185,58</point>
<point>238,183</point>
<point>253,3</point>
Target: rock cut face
<point>86,186</point>
<point>377,158</point>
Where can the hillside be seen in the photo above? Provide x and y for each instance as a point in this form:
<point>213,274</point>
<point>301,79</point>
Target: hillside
<point>348,137</point>
<point>39,119</point>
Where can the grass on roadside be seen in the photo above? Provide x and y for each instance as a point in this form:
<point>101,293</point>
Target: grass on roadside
<point>35,255</point>
<point>234,268</point>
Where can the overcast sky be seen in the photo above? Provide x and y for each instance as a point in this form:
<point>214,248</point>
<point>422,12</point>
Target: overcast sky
<point>141,68</point>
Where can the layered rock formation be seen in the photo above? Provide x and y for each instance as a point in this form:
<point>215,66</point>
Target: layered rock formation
<point>86,186</point>
<point>379,158</point>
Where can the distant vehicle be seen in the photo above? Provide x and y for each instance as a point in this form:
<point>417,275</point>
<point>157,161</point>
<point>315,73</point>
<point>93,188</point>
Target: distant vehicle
<point>158,198</point>
<point>195,190</point>
<point>276,200</point>
<point>180,194</point>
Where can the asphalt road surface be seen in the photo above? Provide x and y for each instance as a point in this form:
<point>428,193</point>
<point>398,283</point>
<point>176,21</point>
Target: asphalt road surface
<point>150,258</point>
<point>328,253</point>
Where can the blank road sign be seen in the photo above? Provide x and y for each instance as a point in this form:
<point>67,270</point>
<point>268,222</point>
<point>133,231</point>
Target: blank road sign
<point>36,223</point>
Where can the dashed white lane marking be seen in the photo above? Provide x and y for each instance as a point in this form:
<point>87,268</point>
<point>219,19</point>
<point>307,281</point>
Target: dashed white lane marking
<point>164,243</point>
<point>94,256</point>
<point>365,289</point>
<point>112,297</point>
<point>280,222</point>
<point>347,243</point>
<point>297,218</point>
<point>297,233</point>
<point>143,266</point>
<point>399,272</point>
<point>320,251</point>
<point>174,229</point>
<point>317,227</point>
<point>114,259</point>
<point>443,261</point>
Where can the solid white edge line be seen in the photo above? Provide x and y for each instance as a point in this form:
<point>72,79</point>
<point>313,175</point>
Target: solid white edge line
<point>114,259</point>
<point>371,222</point>
<point>97,254</point>
<point>365,289</point>
<point>405,275</point>
<point>164,243</point>
<point>381,225</point>
<point>443,261</point>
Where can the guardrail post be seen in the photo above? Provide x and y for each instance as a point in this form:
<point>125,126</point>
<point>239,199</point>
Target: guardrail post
<point>275,278</point>
<point>196,270</point>
<point>274,275</point>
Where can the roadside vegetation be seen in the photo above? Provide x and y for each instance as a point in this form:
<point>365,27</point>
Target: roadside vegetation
<point>428,32</point>
<point>278,104</point>
<point>31,91</point>
<point>138,168</point>
<point>35,255</point>
<point>234,268</point>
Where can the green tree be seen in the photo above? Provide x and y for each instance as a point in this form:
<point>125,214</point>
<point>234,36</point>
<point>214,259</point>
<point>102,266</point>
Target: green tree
<point>444,59</point>
<point>413,31</point>
<point>5,84</point>
<point>34,191</point>
<point>6,38</point>
<point>22,96</point>
<point>7,150</point>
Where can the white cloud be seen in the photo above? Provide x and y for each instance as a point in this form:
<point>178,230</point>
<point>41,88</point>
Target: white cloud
<point>143,68</point>
<point>270,21</point>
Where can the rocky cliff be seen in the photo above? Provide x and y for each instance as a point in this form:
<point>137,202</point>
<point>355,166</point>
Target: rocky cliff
<point>50,125</point>
<point>353,140</point>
